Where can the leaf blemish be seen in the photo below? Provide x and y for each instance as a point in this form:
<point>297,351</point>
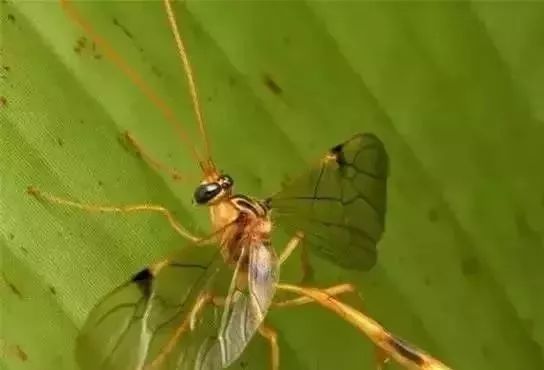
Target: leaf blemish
<point>81,43</point>
<point>3,101</point>
<point>12,287</point>
<point>272,85</point>
<point>53,290</point>
<point>60,142</point>
<point>156,71</point>
<point>20,353</point>
<point>123,28</point>
<point>11,18</point>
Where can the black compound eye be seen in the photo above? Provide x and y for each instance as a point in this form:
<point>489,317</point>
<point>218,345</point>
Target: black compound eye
<point>206,192</point>
<point>226,181</point>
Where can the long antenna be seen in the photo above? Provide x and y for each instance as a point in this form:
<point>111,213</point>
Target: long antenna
<point>190,77</point>
<point>134,77</point>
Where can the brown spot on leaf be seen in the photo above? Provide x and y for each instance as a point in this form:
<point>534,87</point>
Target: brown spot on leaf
<point>272,85</point>
<point>3,101</point>
<point>156,71</point>
<point>123,28</point>
<point>20,353</point>
<point>12,351</point>
<point>12,287</point>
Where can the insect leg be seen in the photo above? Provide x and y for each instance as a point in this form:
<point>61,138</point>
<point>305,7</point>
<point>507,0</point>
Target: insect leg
<point>331,291</point>
<point>203,300</point>
<point>116,209</point>
<point>405,354</point>
<point>272,336</point>
<point>149,159</point>
<point>381,357</point>
<point>188,324</point>
<point>292,244</point>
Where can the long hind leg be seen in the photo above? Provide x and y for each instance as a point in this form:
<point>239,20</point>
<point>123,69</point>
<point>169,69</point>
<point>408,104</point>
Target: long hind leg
<point>393,347</point>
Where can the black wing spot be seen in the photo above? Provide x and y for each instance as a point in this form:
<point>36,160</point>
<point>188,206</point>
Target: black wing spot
<point>338,152</point>
<point>143,279</point>
<point>406,351</point>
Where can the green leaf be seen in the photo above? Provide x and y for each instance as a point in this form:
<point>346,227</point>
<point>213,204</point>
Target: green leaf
<point>454,89</point>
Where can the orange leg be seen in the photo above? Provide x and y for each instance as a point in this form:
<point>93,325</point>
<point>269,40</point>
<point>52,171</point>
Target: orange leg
<point>272,336</point>
<point>331,291</point>
<point>188,324</point>
<point>381,357</point>
<point>292,244</point>
<point>154,163</point>
<point>406,355</point>
<point>116,209</point>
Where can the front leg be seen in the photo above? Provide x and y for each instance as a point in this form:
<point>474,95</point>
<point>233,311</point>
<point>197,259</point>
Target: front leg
<point>125,209</point>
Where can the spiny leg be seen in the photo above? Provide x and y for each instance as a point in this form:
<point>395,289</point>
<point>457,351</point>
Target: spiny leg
<point>116,209</point>
<point>153,162</point>
<point>406,355</point>
<point>272,336</point>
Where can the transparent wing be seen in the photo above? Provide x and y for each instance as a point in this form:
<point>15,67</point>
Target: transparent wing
<point>244,310</point>
<point>341,204</point>
<point>133,325</point>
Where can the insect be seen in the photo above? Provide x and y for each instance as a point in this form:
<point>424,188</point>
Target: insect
<point>159,318</point>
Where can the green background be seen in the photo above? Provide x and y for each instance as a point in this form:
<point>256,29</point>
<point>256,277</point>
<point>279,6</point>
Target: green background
<point>455,90</point>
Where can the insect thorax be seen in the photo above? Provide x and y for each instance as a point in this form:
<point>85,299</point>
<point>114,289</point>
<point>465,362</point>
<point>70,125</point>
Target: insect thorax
<point>252,225</point>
